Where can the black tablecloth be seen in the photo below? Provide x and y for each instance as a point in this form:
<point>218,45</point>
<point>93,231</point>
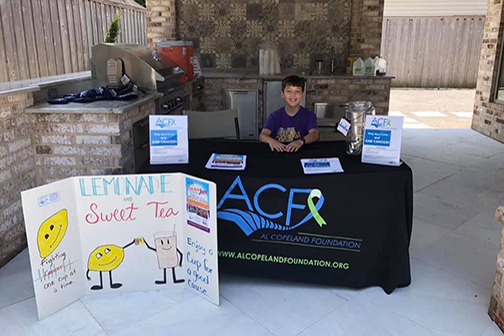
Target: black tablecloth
<point>266,227</point>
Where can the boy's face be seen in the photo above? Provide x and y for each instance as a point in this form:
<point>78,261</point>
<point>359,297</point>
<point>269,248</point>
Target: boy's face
<point>293,95</point>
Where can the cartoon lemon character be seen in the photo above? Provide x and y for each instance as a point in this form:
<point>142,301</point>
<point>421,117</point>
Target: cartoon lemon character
<point>106,258</point>
<point>51,232</point>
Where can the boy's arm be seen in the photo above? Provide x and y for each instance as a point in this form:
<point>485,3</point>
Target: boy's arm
<point>312,136</point>
<point>265,137</point>
<point>269,125</point>
<point>313,133</point>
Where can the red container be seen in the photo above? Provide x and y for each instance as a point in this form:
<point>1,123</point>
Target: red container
<point>179,52</point>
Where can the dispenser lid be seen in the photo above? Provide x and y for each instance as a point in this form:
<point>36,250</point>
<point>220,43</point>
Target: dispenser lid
<point>164,44</point>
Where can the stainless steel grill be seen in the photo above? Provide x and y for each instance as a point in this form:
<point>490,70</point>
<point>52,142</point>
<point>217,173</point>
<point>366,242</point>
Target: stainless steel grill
<point>148,69</point>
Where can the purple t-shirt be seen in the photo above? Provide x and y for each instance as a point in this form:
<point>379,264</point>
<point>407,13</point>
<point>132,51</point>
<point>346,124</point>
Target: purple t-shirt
<point>285,128</point>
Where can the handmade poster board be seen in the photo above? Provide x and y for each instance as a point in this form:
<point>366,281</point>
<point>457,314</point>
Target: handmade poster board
<point>120,233</point>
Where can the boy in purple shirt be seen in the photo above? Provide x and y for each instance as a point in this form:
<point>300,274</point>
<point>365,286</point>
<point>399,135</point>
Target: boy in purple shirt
<point>293,126</point>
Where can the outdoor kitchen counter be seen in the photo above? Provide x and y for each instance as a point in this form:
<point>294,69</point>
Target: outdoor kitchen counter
<point>103,106</point>
<point>254,74</point>
<point>333,89</point>
<point>78,139</point>
<point>36,84</point>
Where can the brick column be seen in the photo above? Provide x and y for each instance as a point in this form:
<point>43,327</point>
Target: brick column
<point>161,23</point>
<point>16,172</point>
<point>366,28</point>
<point>488,117</point>
<point>496,310</point>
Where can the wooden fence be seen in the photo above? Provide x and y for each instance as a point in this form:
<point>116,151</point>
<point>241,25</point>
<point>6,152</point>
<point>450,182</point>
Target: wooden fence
<point>433,51</point>
<point>51,37</point>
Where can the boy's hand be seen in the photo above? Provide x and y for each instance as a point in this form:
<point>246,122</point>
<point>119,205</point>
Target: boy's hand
<point>294,146</point>
<point>275,145</point>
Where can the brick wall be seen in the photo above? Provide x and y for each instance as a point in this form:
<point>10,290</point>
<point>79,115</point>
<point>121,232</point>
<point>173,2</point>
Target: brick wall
<point>496,310</point>
<point>367,17</point>
<point>69,144</point>
<point>330,90</point>
<point>73,144</point>
<point>341,91</point>
<point>226,33</point>
<point>16,172</point>
<point>161,25</point>
<point>488,117</point>
<point>37,148</point>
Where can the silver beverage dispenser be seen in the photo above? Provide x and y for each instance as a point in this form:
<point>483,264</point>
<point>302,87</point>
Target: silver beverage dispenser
<point>356,113</point>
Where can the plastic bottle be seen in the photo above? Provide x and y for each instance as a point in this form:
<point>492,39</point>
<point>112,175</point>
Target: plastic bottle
<point>358,67</point>
<point>369,67</point>
<point>277,63</point>
<point>266,65</point>
<point>375,65</point>
<point>349,65</point>
<point>272,62</point>
<point>382,66</point>
<point>261,61</point>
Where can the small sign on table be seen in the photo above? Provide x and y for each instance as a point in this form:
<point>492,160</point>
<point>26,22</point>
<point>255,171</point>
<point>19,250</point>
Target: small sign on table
<point>382,140</point>
<point>168,139</point>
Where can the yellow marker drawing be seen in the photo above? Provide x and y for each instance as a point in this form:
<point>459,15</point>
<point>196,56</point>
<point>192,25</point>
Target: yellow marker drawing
<point>106,258</point>
<point>51,232</point>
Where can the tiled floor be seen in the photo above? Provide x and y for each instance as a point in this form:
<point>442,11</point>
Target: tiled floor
<point>458,184</point>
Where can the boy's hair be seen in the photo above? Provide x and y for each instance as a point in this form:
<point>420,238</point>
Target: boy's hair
<point>293,81</point>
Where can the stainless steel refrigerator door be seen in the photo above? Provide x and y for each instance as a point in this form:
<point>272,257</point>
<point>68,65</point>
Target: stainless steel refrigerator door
<point>246,103</point>
<point>273,98</point>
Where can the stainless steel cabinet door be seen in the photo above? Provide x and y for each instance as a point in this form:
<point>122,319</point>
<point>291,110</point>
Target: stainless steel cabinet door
<point>246,104</point>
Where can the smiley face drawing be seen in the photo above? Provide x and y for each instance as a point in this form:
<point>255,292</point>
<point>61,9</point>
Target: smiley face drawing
<point>51,233</point>
<point>168,255</point>
<point>106,258</point>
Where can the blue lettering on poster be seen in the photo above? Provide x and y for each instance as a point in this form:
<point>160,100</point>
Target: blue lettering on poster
<point>377,138</point>
<point>317,165</point>
<point>164,138</point>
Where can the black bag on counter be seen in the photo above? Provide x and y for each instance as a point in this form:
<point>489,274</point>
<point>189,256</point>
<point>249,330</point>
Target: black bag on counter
<point>96,94</point>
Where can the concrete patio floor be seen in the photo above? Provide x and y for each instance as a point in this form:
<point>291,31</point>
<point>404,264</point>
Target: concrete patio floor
<point>458,184</point>
<point>433,108</point>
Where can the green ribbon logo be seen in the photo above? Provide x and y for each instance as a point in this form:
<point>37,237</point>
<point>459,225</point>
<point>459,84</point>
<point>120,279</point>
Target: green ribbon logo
<point>315,193</point>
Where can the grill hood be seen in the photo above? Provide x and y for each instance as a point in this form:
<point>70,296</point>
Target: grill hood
<point>143,65</point>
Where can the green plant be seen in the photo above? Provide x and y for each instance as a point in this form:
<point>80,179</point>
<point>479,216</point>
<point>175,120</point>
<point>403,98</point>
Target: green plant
<point>114,29</point>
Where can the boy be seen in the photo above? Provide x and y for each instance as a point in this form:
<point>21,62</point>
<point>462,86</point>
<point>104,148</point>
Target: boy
<point>293,126</point>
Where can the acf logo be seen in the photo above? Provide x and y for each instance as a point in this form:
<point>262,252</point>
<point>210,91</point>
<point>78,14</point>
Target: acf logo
<point>380,122</point>
<point>255,218</point>
<point>165,122</point>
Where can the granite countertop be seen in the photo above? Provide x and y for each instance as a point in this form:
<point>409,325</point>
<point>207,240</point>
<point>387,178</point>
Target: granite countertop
<point>254,74</point>
<point>35,84</point>
<point>103,106</point>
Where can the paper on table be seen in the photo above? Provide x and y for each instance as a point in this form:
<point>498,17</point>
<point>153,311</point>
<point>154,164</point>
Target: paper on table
<point>227,161</point>
<point>321,166</point>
